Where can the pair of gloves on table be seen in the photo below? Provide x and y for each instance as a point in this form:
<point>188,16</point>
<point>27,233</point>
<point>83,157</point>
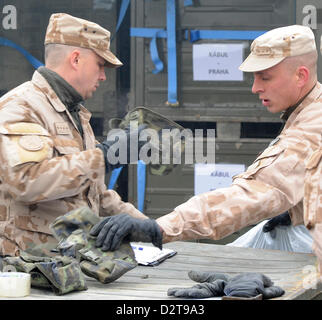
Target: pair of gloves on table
<point>213,284</point>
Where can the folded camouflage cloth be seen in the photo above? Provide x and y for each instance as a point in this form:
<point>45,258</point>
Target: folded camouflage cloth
<point>61,274</point>
<point>168,134</point>
<point>72,232</point>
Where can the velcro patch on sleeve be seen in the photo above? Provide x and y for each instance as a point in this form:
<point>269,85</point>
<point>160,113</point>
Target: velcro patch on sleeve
<point>27,148</point>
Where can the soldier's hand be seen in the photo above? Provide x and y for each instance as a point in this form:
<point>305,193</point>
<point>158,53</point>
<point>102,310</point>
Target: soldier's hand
<point>117,147</point>
<point>281,220</point>
<point>111,231</point>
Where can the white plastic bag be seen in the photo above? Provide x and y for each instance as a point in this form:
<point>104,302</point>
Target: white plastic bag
<point>285,238</point>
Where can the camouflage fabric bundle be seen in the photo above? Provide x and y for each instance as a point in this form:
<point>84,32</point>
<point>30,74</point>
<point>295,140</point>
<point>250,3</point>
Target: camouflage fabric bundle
<point>61,274</point>
<point>157,122</point>
<point>72,231</point>
<point>106,266</point>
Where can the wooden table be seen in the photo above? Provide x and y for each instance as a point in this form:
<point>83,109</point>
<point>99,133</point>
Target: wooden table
<point>291,271</point>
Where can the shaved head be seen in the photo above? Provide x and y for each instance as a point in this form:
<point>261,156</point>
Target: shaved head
<point>308,60</point>
<point>55,54</point>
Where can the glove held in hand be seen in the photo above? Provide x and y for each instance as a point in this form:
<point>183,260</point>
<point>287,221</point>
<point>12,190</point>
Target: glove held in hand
<point>112,230</point>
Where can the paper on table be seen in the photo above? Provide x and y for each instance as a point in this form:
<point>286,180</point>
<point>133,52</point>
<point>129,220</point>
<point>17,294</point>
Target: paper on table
<point>150,256</point>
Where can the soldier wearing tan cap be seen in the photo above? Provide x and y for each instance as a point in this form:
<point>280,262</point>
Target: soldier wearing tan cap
<point>284,63</point>
<point>49,160</point>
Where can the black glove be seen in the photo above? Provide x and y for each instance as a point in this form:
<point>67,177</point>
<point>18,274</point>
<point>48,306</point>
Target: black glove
<point>211,285</point>
<point>251,285</point>
<point>217,284</point>
<point>117,147</point>
<point>112,230</point>
<point>283,219</point>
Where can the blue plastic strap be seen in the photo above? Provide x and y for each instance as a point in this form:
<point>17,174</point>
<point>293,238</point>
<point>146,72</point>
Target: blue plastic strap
<point>141,175</point>
<point>148,32</point>
<point>154,34</point>
<point>196,35</point>
<point>123,9</point>
<point>34,62</point>
<point>172,52</point>
<point>154,55</point>
<point>114,176</point>
<point>188,3</point>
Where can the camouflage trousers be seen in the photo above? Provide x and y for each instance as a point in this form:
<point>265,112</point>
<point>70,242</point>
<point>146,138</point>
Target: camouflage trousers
<point>61,267</point>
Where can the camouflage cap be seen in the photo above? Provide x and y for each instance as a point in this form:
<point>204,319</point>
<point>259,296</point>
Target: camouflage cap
<point>66,29</point>
<point>275,45</point>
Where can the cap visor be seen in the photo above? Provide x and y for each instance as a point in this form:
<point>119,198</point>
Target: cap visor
<point>256,63</point>
<point>112,61</point>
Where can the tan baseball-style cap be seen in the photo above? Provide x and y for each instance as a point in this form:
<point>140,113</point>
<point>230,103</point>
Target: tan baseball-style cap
<point>275,45</point>
<point>66,29</point>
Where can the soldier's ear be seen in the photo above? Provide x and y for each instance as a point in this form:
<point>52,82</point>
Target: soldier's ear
<point>303,75</point>
<point>74,59</point>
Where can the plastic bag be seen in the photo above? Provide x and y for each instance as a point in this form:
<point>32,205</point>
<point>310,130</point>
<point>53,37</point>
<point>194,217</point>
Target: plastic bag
<point>285,238</point>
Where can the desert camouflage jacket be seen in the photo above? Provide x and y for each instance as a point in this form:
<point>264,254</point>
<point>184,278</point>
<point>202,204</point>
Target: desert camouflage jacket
<point>273,184</point>
<point>313,201</point>
<point>46,167</point>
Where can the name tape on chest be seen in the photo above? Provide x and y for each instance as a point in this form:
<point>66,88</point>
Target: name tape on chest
<point>62,128</point>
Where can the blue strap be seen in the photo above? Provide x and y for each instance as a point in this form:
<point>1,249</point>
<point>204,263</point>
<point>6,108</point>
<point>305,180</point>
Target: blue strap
<point>123,9</point>
<point>34,62</point>
<point>141,177</point>
<point>154,54</point>
<point>196,35</point>
<point>148,32</point>
<point>188,3</point>
<point>114,176</point>
<point>172,52</point>
<point>154,34</point>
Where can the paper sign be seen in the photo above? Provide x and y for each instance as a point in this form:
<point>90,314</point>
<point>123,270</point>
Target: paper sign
<point>210,176</point>
<point>217,62</point>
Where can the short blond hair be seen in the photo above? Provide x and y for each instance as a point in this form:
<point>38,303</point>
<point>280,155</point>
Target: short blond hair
<point>55,53</point>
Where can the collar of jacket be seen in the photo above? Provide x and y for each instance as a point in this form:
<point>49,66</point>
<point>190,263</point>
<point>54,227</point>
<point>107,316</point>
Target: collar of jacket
<point>41,83</point>
<point>286,114</point>
<point>64,91</point>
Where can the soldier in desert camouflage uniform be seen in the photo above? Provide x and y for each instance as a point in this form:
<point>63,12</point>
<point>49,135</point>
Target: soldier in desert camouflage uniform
<point>284,62</point>
<point>49,160</point>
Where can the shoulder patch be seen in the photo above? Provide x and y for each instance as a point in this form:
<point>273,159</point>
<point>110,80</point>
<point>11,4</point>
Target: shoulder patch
<point>31,143</point>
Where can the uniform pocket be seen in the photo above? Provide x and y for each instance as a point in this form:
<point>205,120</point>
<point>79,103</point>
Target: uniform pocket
<point>66,146</point>
<point>312,190</point>
<point>266,158</point>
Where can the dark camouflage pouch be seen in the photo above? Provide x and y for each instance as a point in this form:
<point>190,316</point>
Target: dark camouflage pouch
<point>72,232</point>
<point>64,274</point>
<point>106,266</point>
